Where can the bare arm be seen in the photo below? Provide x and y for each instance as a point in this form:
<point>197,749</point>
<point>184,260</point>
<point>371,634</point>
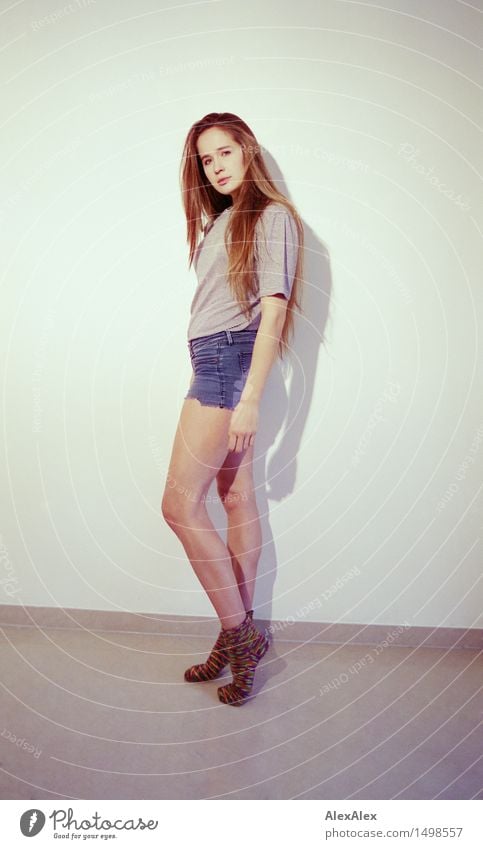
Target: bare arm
<point>265,349</point>
<point>244,421</point>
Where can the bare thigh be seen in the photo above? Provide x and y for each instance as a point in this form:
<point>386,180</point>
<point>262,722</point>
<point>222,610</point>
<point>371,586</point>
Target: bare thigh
<point>200,449</point>
<point>235,478</point>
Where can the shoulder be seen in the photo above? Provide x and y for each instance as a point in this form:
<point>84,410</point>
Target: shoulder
<point>275,209</point>
<point>274,215</point>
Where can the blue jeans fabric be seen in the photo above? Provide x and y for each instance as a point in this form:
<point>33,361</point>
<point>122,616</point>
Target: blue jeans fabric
<point>220,364</point>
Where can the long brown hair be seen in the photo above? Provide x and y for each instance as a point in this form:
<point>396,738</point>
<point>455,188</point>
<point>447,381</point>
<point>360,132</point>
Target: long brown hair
<point>257,190</point>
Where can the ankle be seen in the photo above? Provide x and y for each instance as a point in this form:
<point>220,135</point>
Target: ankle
<point>233,622</point>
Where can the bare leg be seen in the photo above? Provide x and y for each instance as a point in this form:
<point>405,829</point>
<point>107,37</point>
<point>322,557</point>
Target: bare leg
<point>199,450</point>
<point>244,537</point>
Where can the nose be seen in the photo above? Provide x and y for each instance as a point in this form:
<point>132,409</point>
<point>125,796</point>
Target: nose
<point>219,167</point>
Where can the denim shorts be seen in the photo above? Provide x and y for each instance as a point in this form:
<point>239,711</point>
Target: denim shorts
<point>220,365</point>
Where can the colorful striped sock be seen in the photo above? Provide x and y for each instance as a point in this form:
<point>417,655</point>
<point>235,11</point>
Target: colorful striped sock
<point>216,661</point>
<point>245,647</point>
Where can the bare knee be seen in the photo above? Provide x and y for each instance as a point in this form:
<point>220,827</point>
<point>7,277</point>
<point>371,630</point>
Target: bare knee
<point>236,498</point>
<point>169,507</point>
<point>178,508</point>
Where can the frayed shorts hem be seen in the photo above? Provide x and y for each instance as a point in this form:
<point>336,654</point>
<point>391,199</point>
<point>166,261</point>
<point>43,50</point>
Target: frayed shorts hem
<point>208,403</point>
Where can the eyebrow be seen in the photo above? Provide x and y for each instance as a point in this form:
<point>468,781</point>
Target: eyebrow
<point>217,148</point>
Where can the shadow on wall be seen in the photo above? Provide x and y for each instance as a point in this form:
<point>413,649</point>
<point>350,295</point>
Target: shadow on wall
<point>285,405</point>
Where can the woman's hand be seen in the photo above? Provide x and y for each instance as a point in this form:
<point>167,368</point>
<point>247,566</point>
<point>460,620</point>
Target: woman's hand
<point>243,425</point>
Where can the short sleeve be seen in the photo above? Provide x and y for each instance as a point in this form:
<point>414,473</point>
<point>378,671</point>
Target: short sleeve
<point>276,251</point>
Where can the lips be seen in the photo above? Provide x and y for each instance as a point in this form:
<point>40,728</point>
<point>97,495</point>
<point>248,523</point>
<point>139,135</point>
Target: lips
<point>223,181</point>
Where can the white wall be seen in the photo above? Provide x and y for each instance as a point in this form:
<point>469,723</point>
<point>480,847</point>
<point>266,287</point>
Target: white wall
<point>370,449</point>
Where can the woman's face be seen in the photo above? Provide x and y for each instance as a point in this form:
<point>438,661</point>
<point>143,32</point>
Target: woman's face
<point>222,159</point>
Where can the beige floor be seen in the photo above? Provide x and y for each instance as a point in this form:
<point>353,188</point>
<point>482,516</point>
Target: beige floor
<point>110,716</point>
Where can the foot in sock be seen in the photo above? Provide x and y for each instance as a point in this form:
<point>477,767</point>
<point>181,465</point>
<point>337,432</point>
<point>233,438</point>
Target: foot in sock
<point>245,646</point>
<point>215,663</point>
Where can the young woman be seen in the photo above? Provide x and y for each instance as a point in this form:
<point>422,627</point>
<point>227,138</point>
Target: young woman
<point>248,266</point>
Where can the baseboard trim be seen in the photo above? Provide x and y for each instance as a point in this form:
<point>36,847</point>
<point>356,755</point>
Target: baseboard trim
<point>282,630</point>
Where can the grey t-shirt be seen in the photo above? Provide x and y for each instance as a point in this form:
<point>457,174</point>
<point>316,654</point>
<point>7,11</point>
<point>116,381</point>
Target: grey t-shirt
<point>213,307</point>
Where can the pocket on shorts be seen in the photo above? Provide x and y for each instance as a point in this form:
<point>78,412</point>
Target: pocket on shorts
<point>205,352</point>
<point>203,343</point>
<point>245,358</point>
<point>205,360</point>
